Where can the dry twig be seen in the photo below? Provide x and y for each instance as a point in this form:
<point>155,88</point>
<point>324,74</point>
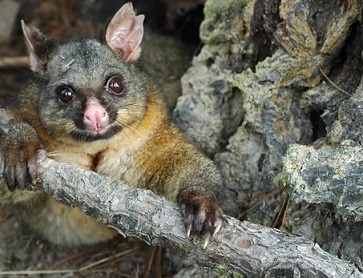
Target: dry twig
<point>14,62</point>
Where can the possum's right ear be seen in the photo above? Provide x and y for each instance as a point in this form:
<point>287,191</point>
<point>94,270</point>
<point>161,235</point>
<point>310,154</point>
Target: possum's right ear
<point>39,47</point>
<point>124,33</point>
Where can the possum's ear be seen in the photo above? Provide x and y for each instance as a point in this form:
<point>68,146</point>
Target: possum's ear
<point>39,47</point>
<point>124,33</point>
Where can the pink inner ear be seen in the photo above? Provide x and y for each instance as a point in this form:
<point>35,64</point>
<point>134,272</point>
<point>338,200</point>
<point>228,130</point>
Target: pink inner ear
<point>125,31</point>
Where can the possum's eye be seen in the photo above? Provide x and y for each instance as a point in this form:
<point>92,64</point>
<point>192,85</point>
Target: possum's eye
<point>115,86</point>
<point>65,94</point>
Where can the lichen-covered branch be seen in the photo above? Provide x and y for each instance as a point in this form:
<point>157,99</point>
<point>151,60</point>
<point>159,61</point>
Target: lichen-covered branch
<point>240,247</point>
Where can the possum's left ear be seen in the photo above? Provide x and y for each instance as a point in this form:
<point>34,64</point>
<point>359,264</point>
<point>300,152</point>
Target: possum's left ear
<point>124,33</point>
<point>39,47</point>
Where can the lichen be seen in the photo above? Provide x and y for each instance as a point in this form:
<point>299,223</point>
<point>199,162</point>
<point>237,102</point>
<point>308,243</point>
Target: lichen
<point>220,20</point>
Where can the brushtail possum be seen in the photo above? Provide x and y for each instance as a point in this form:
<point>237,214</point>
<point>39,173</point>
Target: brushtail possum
<point>91,105</point>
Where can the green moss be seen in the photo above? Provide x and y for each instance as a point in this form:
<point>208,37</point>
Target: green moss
<point>222,271</point>
<point>181,248</point>
<point>282,179</point>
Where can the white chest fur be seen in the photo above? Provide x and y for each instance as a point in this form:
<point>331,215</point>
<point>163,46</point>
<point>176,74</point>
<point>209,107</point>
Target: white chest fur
<point>117,164</point>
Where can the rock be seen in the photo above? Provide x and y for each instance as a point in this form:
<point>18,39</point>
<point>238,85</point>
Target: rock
<point>209,110</point>
<point>325,189</point>
<point>350,118</point>
<point>272,121</point>
<point>326,174</point>
<point>310,39</point>
<point>258,79</point>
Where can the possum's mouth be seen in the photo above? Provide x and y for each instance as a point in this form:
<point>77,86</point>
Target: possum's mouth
<point>94,135</point>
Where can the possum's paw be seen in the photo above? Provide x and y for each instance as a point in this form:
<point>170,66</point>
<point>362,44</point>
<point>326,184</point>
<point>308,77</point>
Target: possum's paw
<point>20,150</point>
<point>202,215</point>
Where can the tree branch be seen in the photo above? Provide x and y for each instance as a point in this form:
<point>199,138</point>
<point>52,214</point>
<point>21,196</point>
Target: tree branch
<point>242,248</point>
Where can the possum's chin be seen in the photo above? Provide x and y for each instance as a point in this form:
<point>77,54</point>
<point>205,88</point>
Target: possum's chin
<point>94,135</point>
<point>99,132</point>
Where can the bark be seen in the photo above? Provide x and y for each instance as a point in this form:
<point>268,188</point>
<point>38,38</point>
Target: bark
<point>239,248</point>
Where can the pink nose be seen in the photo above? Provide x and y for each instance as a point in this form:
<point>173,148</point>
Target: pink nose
<point>95,115</point>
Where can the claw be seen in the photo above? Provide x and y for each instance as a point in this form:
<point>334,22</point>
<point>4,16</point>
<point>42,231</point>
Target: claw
<point>189,231</point>
<point>202,215</point>
<point>217,229</point>
<point>206,242</point>
<point>41,155</point>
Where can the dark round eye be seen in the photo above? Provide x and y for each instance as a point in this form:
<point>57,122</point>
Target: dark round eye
<point>65,94</point>
<point>115,86</point>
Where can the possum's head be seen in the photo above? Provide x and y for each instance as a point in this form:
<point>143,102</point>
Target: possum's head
<point>90,89</point>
